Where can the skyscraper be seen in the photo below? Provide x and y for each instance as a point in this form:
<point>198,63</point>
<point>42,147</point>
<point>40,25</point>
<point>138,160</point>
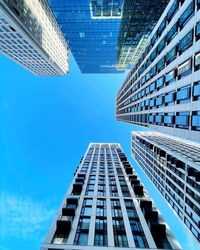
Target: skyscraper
<point>106,205</point>
<point>173,167</point>
<point>105,36</point>
<point>30,36</point>
<point>162,90</point>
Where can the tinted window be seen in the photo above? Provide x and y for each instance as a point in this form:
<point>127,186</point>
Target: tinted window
<point>171,55</point>
<point>161,45</point>
<point>153,39</point>
<point>172,10</point>
<point>182,119</point>
<point>153,55</point>
<point>161,27</point>
<point>160,83</point>
<point>186,42</point>
<point>153,71</point>
<point>183,94</point>
<point>160,64</point>
<point>184,68</point>
<point>170,76</point>
<point>186,15</point>
<point>170,97</point>
<point>172,32</point>
<point>152,86</point>
<point>197,32</point>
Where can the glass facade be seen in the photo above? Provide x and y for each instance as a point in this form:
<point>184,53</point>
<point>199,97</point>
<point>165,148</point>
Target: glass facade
<point>105,36</point>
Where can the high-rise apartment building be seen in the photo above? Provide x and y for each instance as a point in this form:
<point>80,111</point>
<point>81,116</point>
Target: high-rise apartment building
<point>173,166</point>
<point>107,206</point>
<point>162,90</point>
<point>105,36</point>
<point>30,36</point>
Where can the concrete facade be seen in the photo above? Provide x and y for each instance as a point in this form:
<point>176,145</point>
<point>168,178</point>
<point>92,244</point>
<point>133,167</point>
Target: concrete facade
<point>107,207</point>
<point>172,165</point>
<point>162,90</point>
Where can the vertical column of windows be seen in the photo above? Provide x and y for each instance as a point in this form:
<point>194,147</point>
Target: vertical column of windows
<point>136,228</point>
<point>120,238</point>
<point>124,187</point>
<point>81,237</point>
<point>90,186</point>
<point>101,186</point>
<point>113,186</point>
<point>101,238</point>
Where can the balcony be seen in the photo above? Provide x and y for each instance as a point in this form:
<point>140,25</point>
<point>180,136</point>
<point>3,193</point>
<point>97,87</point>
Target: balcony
<point>63,226</point>
<point>77,187</point>
<point>194,173</point>
<point>129,170</point>
<point>138,190</point>
<point>72,200</point>
<point>68,211</point>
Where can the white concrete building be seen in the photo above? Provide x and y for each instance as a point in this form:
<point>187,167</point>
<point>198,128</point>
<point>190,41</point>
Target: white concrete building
<point>173,166</point>
<point>30,36</point>
<point>106,206</point>
<point>162,90</point>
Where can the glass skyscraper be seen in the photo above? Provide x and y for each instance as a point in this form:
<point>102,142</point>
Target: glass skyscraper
<point>173,167</point>
<point>105,36</point>
<point>107,206</point>
<point>30,36</point>
<point>162,89</point>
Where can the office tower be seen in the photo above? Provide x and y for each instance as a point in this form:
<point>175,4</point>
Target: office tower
<point>30,36</point>
<point>105,36</point>
<point>106,205</point>
<point>173,167</point>
<point>162,90</point>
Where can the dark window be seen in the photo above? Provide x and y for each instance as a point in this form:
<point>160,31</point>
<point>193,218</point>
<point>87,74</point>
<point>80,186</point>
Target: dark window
<point>183,95</point>
<point>198,4</point>
<point>172,32</point>
<point>172,10</point>
<point>161,64</point>
<point>186,42</point>
<point>162,27</point>
<point>161,45</point>
<point>187,14</point>
<point>185,68</point>
<point>171,55</point>
<point>197,31</point>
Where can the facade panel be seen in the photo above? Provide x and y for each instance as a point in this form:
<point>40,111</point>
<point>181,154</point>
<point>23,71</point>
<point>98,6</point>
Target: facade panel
<point>161,90</point>
<point>107,206</point>
<point>173,167</point>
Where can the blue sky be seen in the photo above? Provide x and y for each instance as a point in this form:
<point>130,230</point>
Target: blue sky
<point>46,124</point>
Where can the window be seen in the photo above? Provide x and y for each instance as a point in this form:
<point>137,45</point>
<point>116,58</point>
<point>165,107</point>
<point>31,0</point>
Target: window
<point>81,238</point>
<point>161,45</point>
<point>100,239</point>
<point>152,87</point>
<point>182,119</point>
<point>159,101</point>
<point>147,76</point>
<point>172,10</point>
<point>183,94</point>
<point>169,119</point>
<point>153,71</point>
<point>197,61</point>
<point>120,240</point>
<point>170,77</point>
<point>197,31</point>
<point>84,223</point>
<point>185,68</point>
<point>171,55</point>
<point>172,33</point>
<point>162,27</point>
<point>170,98</point>
<point>160,83</point>
<point>187,14</point>
<point>86,211</point>
<point>153,55</point>
<point>153,39</point>
<point>196,91</point>
<point>140,241</point>
<point>186,42</point>
<point>160,64</point>
<point>196,120</point>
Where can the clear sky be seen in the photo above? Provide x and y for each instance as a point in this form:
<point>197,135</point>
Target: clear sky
<point>46,124</point>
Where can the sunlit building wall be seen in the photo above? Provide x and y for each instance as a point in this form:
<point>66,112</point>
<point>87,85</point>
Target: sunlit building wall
<point>162,90</point>
<point>173,167</point>
<point>107,206</point>
<point>30,35</point>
